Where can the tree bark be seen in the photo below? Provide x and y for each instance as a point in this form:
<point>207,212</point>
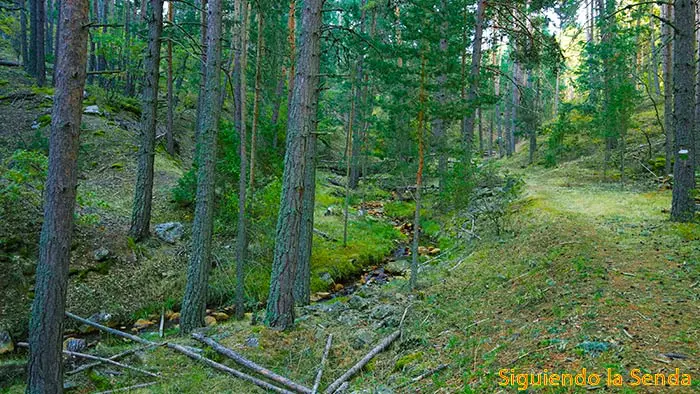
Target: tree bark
<point>256,98</point>
<point>37,59</point>
<point>241,237</point>
<point>169,125</point>
<point>143,194</point>
<point>280,303</point>
<point>194,301</point>
<point>468,130</point>
<point>419,178</point>
<point>355,167</point>
<point>46,324</point>
<point>23,33</point>
<point>683,204</point>
<point>667,34</point>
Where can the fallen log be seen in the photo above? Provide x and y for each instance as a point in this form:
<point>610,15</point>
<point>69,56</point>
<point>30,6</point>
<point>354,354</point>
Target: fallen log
<point>228,370</point>
<point>9,63</point>
<point>108,361</point>
<point>134,387</point>
<point>111,330</point>
<point>251,365</point>
<point>115,357</point>
<point>360,364</point>
<point>101,359</point>
<point>186,351</point>
<point>317,381</point>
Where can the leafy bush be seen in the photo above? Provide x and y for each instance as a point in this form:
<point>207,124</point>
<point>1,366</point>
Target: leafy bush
<point>186,189</point>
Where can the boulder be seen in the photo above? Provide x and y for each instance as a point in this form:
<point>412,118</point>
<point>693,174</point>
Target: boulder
<point>220,316</point>
<point>100,254</point>
<point>361,339</point>
<point>142,324</point>
<point>209,321</point>
<point>92,110</point>
<point>396,267</point>
<point>170,232</point>
<point>382,311</point>
<point>6,344</point>
<point>357,302</point>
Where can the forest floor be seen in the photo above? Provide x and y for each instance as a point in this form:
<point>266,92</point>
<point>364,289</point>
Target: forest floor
<point>585,275</point>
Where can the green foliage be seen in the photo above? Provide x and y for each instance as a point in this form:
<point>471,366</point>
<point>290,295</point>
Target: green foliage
<point>400,209</point>
<point>22,179</point>
<point>186,189</point>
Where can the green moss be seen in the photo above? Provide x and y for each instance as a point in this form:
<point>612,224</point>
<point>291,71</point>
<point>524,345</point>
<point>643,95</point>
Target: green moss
<point>44,120</point>
<point>400,209</point>
<point>407,360</point>
<point>688,231</point>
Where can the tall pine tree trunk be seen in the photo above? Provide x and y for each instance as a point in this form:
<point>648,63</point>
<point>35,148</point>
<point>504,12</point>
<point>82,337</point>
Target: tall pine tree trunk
<point>143,194</point>
<point>241,236</point>
<point>667,34</point>
<point>280,303</point>
<point>46,325</point>
<point>256,98</point>
<point>683,205</point>
<point>37,67</point>
<point>419,178</point>
<point>194,301</point>
<point>169,132</point>
<point>355,167</point>
<point>468,130</point>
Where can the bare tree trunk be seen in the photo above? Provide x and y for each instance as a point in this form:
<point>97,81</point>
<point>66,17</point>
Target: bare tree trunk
<point>355,168</point>
<point>419,179</point>
<point>348,163</point>
<point>169,132</point>
<point>654,59</point>
<point>256,97</point>
<point>276,109</point>
<point>36,42</point>
<point>194,301</point>
<point>280,303</point>
<point>667,33</point>
<point>696,132</point>
<point>439,124</point>
<point>468,130</point>
<point>23,33</point>
<point>46,324</point>
<point>241,237</point>
<point>683,204</point>
<point>49,28</point>
<point>143,194</point>
<point>56,43</point>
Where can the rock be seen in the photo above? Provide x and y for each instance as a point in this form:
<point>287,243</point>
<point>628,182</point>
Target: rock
<point>331,211</point>
<point>382,311</point>
<point>169,232</point>
<point>104,318</point>
<point>220,316</point>
<point>252,342</point>
<point>100,254</point>
<point>141,324</point>
<point>175,316</point>
<point>433,251</point>
<point>209,321</point>
<point>397,267</point>
<point>357,302</point>
<point>92,110</point>
<point>348,318</point>
<point>74,345</point>
<point>320,296</point>
<point>338,287</point>
<point>326,278</point>
<point>36,125</point>
<point>6,344</point>
<point>422,250</point>
<point>361,339</point>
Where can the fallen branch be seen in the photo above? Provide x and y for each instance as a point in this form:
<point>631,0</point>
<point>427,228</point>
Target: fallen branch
<point>112,331</point>
<point>423,376</point>
<point>343,387</point>
<point>325,236</point>
<point>360,364</point>
<point>228,370</point>
<point>9,63</point>
<point>108,361</point>
<point>317,381</point>
<point>184,350</point>
<point>251,365</point>
<point>134,387</point>
<point>115,357</point>
<point>529,353</point>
